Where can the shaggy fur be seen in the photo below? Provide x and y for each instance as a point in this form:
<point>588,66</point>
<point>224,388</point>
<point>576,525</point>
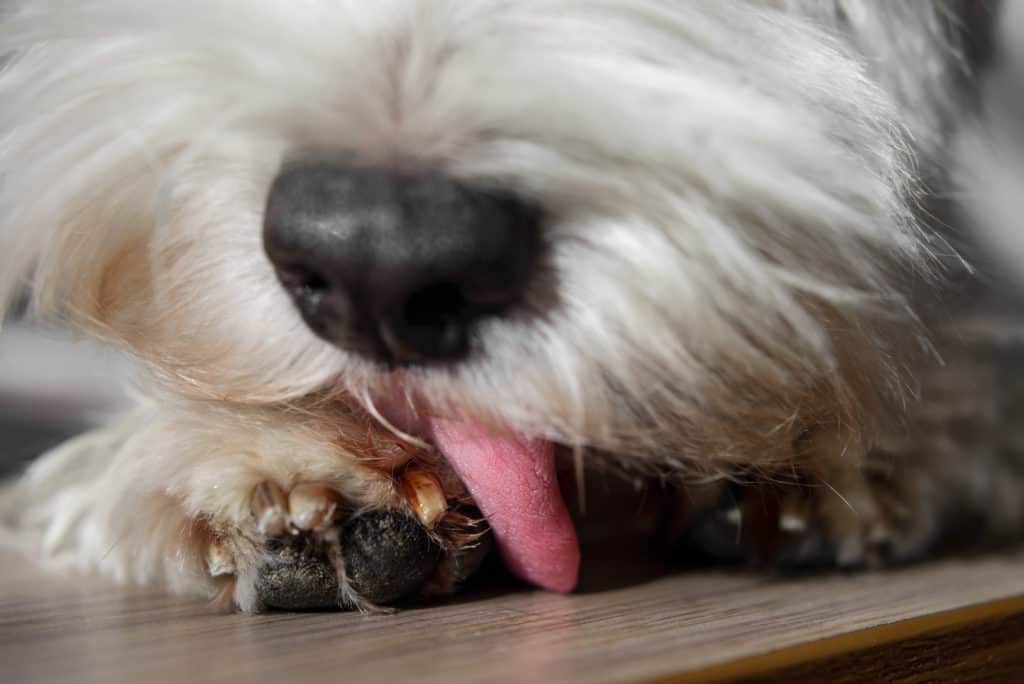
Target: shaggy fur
<point>741,202</point>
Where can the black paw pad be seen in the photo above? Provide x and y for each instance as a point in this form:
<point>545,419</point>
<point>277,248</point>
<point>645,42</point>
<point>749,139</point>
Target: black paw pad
<point>294,578</point>
<point>388,555</point>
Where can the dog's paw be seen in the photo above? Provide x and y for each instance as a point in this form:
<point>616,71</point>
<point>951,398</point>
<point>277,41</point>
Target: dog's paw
<point>307,549</point>
<point>805,524</point>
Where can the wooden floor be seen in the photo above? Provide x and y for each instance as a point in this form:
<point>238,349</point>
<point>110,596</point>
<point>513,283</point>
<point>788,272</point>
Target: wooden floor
<point>696,626</point>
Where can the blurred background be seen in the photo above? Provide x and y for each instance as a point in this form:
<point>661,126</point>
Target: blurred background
<point>51,387</point>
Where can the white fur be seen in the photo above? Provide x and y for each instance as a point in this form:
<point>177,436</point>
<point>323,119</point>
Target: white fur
<point>731,189</point>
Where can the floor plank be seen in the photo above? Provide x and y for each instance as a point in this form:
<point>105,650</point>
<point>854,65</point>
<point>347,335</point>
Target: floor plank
<point>714,626</point>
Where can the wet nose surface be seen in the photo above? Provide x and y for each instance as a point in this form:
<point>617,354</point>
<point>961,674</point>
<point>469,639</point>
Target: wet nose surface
<point>397,267</point>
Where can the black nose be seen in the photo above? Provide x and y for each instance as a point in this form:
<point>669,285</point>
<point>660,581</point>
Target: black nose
<point>398,267</point>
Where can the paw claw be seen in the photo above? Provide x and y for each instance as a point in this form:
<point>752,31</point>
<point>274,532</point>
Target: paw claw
<point>795,515</point>
<point>270,506</point>
<point>733,516</point>
<point>313,507</point>
<point>425,495</point>
<point>219,561</point>
<point>791,523</point>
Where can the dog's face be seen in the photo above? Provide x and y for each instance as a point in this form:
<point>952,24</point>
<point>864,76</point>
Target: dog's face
<point>641,226</point>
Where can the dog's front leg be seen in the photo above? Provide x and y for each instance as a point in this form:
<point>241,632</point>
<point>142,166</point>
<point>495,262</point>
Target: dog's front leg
<point>251,510</point>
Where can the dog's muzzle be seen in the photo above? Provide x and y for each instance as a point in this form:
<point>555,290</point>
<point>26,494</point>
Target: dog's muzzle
<point>397,266</point>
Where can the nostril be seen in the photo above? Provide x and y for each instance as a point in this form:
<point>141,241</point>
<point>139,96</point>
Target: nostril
<point>432,323</point>
<point>305,286</point>
<point>435,307</point>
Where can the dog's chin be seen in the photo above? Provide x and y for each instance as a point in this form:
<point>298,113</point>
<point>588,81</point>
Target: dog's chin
<point>512,478</point>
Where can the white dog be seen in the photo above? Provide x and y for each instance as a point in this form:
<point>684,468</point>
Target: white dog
<point>381,261</point>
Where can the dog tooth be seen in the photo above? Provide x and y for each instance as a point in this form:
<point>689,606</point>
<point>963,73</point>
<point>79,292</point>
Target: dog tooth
<point>270,506</point>
<point>219,560</point>
<point>424,492</point>
<point>313,506</point>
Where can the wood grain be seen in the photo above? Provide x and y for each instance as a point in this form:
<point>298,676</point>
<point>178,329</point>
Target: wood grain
<point>706,626</point>
<point>986,651</point>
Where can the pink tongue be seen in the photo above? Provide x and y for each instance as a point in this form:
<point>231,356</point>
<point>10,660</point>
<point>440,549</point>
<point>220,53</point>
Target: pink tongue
<point>513,482</point>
